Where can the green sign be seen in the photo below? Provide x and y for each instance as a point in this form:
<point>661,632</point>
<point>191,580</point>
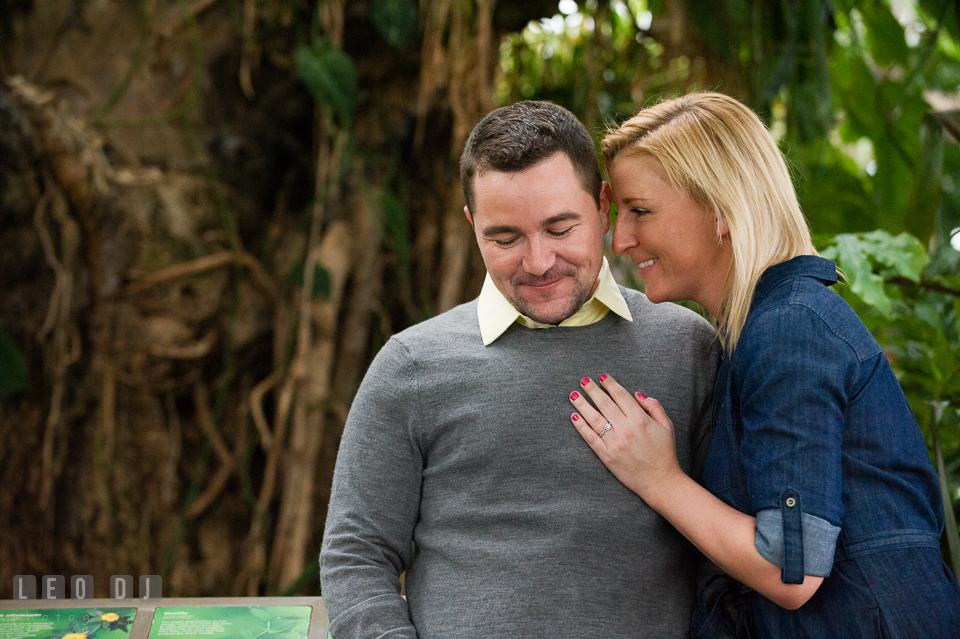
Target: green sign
<point>67,623</point>
<point>235,622</point>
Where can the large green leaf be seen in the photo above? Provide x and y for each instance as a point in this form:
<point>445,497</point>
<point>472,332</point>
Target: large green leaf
<point>884,35</point>
<point>855,262</point>
<point>329,75</point>
<point>13,366</point>
<point>862,255</point>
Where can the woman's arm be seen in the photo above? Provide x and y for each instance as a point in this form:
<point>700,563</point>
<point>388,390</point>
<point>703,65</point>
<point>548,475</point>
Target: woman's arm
<point>640,450</point>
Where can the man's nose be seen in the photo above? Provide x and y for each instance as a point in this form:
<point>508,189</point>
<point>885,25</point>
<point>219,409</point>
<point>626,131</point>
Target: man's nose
<point>624,238</point>
<point>539,257</point>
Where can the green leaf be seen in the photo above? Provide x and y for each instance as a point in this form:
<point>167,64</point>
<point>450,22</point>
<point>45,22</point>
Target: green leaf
<point>857,89</point>
<point>396,20</point>
<point>321,280</point>
<point>329,75</point>
<point>855,263</point>
<point>884,35</point>
<point>861,255</point>
<point>13,366</point>
<point>903,253</point>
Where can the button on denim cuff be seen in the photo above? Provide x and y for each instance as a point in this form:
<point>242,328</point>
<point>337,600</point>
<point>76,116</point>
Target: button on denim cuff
<point>819,541</point>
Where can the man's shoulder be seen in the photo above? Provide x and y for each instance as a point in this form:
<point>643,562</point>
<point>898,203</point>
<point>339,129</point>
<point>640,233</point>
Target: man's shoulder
<point>435,341</point>
<point>459,323</point>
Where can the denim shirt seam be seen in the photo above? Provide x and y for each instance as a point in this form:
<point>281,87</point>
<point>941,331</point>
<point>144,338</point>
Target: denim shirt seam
<point>797,300</point>
<point>888,540</point>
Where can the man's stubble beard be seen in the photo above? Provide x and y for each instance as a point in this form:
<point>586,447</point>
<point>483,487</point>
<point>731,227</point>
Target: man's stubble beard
<point>578,297</point>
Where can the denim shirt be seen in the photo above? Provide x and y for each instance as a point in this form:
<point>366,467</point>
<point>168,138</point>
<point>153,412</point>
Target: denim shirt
<point>813,435</point>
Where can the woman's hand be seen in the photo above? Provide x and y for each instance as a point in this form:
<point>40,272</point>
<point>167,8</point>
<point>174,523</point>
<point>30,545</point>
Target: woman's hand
<point>639,448</point>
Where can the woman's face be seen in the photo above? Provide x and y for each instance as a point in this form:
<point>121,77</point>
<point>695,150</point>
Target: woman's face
<point>681,253</point>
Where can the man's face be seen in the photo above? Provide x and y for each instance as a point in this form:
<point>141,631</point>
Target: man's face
<point>541,237</point>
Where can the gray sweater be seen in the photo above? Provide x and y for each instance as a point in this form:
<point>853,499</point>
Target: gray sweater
<point>459,464</point>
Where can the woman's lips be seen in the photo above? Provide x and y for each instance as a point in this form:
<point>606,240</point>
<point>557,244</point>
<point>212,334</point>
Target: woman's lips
<point>647,264</point>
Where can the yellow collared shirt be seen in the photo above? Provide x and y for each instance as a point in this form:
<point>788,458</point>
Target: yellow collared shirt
<point>496,314</point>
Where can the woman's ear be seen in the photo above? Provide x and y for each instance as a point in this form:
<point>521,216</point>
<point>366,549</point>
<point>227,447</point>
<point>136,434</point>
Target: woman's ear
<point>722,228</point>
<point>606,197</point>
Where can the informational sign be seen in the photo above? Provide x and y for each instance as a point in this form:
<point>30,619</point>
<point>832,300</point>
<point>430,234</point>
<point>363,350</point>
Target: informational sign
<point>67,623</point>
<point>235,622</point>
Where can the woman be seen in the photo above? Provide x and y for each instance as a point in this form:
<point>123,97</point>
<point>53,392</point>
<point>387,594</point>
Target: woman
<point>818,493</point>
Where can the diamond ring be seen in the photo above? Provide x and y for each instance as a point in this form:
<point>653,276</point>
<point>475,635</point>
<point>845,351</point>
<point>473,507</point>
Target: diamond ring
<point>606,427</point>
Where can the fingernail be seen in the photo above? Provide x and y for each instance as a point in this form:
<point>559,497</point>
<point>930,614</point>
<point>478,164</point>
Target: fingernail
<point>574,395</point>
<point>575,417</point>
<point>584,381</point>
<point>603,377</point>
<point>641,395</point>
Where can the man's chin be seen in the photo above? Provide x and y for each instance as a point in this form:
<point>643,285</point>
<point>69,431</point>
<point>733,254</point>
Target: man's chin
<point>546,315</point>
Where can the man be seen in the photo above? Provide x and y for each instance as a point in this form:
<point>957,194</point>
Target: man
<point>459,464</point>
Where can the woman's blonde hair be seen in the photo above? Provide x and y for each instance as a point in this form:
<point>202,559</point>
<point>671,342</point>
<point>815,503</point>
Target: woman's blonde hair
<point>718,152</point>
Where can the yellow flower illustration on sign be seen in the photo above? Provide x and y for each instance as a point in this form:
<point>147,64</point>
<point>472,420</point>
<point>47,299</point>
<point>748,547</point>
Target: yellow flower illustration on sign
<point>75,635</point>
<point>110,616</point>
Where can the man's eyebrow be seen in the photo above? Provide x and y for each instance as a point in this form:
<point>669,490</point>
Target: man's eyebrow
<point>490,231</point>
<point>566,216</point>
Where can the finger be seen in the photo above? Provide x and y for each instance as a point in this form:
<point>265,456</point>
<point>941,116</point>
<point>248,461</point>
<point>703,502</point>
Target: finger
<point>654,409</point>
<point>627,403</point>
<point>611,412</point>
<point>586,431</point>
<point>594,420</point>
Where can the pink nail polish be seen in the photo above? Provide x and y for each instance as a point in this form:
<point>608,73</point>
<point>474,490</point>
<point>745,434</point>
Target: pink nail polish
<point>574,395</point>
<point>584,381</point>
<point>641,395</point>
<point>575,417</point>
<point>603,377</point>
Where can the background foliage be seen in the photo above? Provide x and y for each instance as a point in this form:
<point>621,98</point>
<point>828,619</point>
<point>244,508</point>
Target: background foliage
<point>215,212</point>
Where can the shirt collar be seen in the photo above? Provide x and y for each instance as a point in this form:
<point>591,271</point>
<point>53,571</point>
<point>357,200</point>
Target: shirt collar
<point>802,265</point>
<point>496,314</point>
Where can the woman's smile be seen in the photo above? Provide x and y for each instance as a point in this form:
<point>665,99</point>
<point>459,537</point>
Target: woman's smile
<point>647,263</point>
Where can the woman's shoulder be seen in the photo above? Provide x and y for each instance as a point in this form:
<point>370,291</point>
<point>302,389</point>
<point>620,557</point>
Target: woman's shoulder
<point>806,309</point>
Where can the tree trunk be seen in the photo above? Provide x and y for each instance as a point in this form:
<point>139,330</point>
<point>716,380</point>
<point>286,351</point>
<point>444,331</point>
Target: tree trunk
<point>199,265</point>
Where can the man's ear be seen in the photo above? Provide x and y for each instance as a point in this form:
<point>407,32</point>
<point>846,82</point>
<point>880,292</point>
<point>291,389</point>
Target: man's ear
<point>466,212</point>
<point>606,197</point>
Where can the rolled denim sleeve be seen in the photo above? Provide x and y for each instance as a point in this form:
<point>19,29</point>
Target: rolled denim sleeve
<point>795,377</point>
<point>819,541</point>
